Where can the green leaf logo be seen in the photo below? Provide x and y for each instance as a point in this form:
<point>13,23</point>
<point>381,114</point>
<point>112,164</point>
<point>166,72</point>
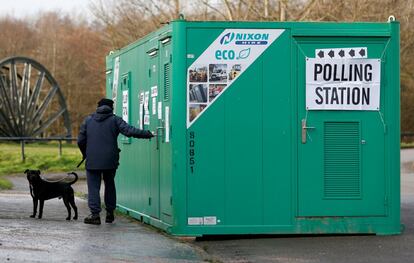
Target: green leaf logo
<point>244,53</point>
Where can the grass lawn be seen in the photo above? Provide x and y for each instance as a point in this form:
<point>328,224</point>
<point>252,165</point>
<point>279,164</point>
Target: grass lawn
<point>42,156</point>
<point>405,145</point>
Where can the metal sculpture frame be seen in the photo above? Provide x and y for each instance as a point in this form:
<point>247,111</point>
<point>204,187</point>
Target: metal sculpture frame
<point>22,112</point>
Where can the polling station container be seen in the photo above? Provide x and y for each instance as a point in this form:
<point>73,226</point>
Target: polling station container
<point>261,127</point>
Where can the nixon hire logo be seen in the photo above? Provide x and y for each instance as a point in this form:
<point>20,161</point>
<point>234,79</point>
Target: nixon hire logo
<point>245,38</point>
<point>227,38</point>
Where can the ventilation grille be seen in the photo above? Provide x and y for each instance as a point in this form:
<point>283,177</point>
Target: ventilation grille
<point>167,81</point>
<point>342,173</point>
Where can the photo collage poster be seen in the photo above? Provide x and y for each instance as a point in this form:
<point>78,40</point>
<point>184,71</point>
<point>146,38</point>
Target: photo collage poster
<point>206,82</point>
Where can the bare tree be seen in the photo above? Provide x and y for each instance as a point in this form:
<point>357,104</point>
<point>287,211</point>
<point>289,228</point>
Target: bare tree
<point>73,51</point>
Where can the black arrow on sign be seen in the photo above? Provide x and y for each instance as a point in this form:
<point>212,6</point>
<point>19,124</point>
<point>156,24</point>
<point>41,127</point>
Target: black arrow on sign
<point>331,53</point>
<point>321,54</point>
<point>352,53</point>
<point>341,53</point>
<point>362,52</point>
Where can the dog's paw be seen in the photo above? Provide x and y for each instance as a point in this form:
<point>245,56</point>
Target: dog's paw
<point>68,218</point>
<point>39,217</point>
<point>75,218</point>
<point>33,216</point>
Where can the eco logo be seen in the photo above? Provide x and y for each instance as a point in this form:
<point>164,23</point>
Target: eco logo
<point>227,38</point>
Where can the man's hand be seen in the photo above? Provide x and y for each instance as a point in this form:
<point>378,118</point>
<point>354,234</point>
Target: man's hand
<point>149,134</point>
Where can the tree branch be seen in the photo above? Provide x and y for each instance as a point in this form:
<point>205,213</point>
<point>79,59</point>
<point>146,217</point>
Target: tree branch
<point>229,8</point>
<point>215,9</point>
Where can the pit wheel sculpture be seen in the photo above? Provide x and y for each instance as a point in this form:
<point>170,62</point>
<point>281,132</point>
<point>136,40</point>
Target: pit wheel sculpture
<point>30,99</point>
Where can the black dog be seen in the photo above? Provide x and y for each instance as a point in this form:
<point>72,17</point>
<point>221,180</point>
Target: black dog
<point>41,190</point>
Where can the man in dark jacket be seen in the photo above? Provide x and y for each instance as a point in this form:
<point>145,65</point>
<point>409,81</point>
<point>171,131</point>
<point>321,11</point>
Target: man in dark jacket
<point>98,143</point>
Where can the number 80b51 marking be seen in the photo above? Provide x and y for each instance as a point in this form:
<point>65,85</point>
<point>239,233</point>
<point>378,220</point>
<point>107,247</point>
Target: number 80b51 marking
<point>191,151</point>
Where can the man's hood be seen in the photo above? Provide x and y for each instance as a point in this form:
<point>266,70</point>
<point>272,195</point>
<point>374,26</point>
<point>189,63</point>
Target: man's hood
<point>102,113</point>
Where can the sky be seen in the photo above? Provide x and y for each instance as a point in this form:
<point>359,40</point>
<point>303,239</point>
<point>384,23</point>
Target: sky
<point>24,8</point>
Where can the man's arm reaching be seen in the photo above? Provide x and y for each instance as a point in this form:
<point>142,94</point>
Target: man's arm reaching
<point>131,131</point>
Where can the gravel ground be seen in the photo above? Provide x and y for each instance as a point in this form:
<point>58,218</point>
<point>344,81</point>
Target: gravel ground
<point>53,239</point>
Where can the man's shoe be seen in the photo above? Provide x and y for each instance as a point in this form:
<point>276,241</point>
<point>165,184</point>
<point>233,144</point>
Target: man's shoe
<point>109,217</point>
<point>92,219</point>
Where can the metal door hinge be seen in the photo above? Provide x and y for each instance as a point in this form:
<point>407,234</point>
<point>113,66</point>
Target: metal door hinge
<point>171,200</point>
<point>149,200</point>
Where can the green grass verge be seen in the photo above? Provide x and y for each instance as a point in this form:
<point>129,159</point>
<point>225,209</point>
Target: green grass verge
<point>42,156</point>
<point>5,184</point>
<point>405,145</point>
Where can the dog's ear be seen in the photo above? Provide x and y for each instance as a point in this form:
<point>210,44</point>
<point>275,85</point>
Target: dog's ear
<point>38,172</point>
<point>27,170</point>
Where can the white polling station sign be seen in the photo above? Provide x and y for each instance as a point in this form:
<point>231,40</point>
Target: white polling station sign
<point>343,84</point>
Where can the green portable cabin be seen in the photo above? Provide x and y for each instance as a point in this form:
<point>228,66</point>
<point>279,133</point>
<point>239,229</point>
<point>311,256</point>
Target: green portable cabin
<point>261,127</point>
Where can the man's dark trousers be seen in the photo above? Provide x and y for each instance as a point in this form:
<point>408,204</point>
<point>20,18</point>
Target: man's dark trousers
<point>94,178</point>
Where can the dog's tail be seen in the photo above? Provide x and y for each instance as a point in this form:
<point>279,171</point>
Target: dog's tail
<point>76,177</point>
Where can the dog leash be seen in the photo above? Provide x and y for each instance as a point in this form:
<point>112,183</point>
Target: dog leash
<point>64,178</point>
<point>83,159</point>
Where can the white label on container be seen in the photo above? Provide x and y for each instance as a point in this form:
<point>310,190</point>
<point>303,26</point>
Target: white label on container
<point>141,98</point>
<point>154,105</point>
<point>125,105</point>
<point>195,221</point>
<point>159,110</point>
<point>154,91</point>
<point>115,82</point>
<point>210,220</point>
<point>141,116</point>
<point>167,124</point>
<point>146,119</point>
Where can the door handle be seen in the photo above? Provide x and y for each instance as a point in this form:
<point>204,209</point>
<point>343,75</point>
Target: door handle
<point>156,135</point>
<point>304,130</point>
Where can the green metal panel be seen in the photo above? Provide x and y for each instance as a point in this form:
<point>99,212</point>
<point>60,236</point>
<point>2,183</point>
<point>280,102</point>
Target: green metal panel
<point>243,160</point>
<point>277,134</point>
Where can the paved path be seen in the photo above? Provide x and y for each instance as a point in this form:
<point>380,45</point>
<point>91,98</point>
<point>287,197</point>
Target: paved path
<point>53,239</point>
<point>329,249</point>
